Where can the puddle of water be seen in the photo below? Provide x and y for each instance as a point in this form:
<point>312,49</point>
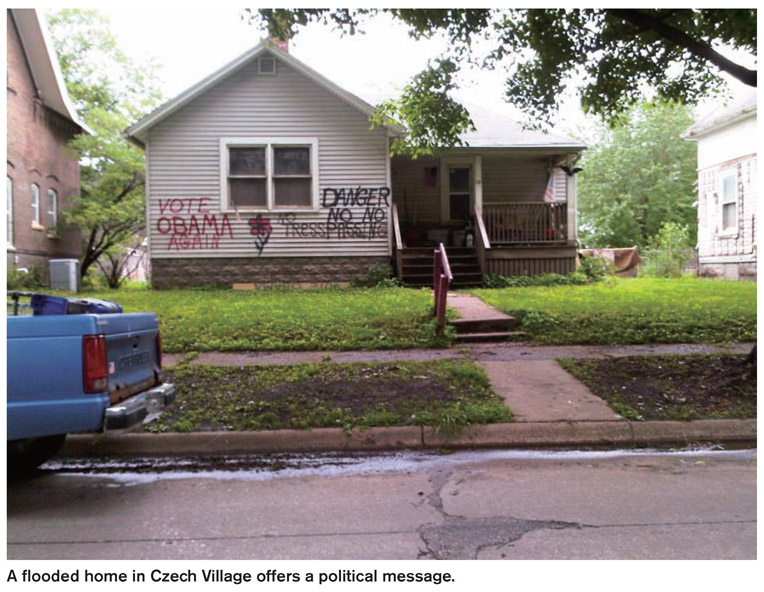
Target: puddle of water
<point>135,471</point>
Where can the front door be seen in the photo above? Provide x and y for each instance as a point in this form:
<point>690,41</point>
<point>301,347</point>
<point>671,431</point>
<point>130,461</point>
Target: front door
<point>459,192</point>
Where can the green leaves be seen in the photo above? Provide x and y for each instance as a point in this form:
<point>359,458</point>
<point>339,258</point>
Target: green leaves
<point>614,57</point>
<point>638,176</point>
<point>110,91</point>
<point>432,118</point>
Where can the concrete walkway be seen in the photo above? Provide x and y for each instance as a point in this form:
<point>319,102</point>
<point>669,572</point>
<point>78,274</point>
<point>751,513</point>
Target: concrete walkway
<point>472,308</point>
<point>552,409</point>
<point>534,386</point>
<point>540,390</point>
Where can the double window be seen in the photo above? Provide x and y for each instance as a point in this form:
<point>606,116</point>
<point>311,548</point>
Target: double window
<point>269,174</point>
<point>729,201</point>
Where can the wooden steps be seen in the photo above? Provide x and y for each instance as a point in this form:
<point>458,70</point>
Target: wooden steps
<point>417,267</point>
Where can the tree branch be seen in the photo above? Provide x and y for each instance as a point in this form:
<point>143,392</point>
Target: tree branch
<point>682,39</point>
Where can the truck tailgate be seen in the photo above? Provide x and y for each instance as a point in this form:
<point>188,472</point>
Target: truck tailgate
<point>133,356</point>
<point>45,369</point>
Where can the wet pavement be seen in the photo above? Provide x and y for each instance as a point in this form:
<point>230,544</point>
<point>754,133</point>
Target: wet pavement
<point>497,504</point>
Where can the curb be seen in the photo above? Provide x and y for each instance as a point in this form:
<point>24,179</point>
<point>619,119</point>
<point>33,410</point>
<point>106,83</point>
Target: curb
<point>562,434</point>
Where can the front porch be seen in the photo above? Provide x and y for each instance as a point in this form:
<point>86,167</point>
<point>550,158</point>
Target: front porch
<point>499,212</point>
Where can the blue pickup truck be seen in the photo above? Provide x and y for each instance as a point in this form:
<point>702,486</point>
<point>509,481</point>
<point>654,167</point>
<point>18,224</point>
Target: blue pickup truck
<point>77,365</point>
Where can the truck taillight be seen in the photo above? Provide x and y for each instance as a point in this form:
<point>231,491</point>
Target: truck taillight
<point>95,364</point>
<point>159,350</point>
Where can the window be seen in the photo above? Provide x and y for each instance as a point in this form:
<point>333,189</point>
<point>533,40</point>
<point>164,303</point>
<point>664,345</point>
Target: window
<point>729,201</point>
<point>269,174</point>
<point>35,188</point>
<point>291,177</point>
<point>266,65</point>
<point>247,178</point>
<point>9,209</point>
<point>52,209</point>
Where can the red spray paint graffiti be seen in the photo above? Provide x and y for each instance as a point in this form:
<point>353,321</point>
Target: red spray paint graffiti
<point>261,229</point>
<point>189,224</point>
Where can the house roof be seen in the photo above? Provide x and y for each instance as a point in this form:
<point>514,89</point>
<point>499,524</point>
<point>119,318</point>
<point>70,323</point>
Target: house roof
<point>495,130</point>
<point>138,131</point>
<point>742,107</point>
<point>44,66</point>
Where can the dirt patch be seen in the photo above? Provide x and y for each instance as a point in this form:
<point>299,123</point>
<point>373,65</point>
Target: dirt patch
<point>671,387</point>
<point>454,392</point>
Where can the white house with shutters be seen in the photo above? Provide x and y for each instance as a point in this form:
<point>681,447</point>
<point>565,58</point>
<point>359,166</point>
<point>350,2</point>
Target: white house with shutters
<point>727,155</point>
<point>266,172</point>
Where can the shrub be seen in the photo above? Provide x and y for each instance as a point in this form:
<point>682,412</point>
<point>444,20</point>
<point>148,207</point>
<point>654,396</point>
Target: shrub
<point>20,278</point>
<point>595,268</point>
<point>379,274</point>
<point>574,278</point>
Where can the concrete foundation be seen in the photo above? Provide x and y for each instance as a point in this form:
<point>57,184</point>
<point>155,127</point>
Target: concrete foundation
<point>180,273</point>
<point>729,271</point>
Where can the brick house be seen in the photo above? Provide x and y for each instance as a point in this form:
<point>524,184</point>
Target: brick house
<point>266,172</point>
<point>727,195</point>
<point>41,174</point>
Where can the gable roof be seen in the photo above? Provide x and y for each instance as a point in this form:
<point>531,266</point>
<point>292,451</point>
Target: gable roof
<point>494,130</point>
<point>739,109</point>
<point>138,131</point>
<point>43,65</point>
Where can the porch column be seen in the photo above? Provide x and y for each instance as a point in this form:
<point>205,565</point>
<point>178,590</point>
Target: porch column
<point>571,194</point>
<point>478,182</point>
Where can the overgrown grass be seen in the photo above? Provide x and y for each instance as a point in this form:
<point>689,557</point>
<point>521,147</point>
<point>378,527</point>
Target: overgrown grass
<point>447,394</point>
<point>671,387</point>
<point>632,311</point>
<point>286,319</point>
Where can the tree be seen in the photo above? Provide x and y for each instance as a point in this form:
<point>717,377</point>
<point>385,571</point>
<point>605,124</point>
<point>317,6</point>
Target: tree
<point>668,253</point>
<point>110,91</point>
<point>616,55</point>
<point>638,176</point>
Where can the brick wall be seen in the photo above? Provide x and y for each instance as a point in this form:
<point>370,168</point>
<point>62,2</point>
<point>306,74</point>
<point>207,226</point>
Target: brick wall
<point>37,154</point>
<point>180,273</point>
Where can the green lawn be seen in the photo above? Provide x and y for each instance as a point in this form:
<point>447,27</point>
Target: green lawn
<point>286,319</point>
<point>447,394</point>
<point>630,311</point>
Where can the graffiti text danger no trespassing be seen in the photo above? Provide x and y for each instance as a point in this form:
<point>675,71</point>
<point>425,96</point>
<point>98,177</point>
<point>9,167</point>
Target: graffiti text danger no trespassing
<point>351,213</point>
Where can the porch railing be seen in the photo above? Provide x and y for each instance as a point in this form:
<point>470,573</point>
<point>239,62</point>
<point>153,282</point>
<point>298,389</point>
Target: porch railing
<point>536,223</point>
<point>442,279</point>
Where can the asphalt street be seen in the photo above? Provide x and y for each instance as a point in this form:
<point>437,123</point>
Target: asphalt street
<point>406,505</point>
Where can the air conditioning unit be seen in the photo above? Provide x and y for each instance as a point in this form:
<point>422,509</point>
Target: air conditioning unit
<point>64,274</point>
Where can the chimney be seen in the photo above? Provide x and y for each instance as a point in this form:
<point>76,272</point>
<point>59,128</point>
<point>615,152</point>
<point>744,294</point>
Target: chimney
<point>280,43</point>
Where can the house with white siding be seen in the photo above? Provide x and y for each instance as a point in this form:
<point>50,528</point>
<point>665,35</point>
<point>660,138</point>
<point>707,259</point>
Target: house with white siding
<point>266,172</point>
<point>727,155</point>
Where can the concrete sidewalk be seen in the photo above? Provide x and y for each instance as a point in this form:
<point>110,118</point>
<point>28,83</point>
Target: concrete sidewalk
<point>552,409</point>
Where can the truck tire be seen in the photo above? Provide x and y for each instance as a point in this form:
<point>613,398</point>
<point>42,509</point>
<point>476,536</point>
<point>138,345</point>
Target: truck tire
<point>26,455</point>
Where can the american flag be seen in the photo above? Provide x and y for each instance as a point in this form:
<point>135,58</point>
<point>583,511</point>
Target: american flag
<point>549,191</point>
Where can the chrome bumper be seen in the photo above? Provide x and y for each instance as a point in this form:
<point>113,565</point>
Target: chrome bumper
<point>138,409</point>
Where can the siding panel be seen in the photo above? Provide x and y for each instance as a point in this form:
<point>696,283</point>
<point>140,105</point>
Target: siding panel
<point>713,242</point>
<point>185,218</point>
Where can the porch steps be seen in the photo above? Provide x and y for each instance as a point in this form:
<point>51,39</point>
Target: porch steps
<point>496,337</point>
<point>417,267</point>
<point>479,322</point>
